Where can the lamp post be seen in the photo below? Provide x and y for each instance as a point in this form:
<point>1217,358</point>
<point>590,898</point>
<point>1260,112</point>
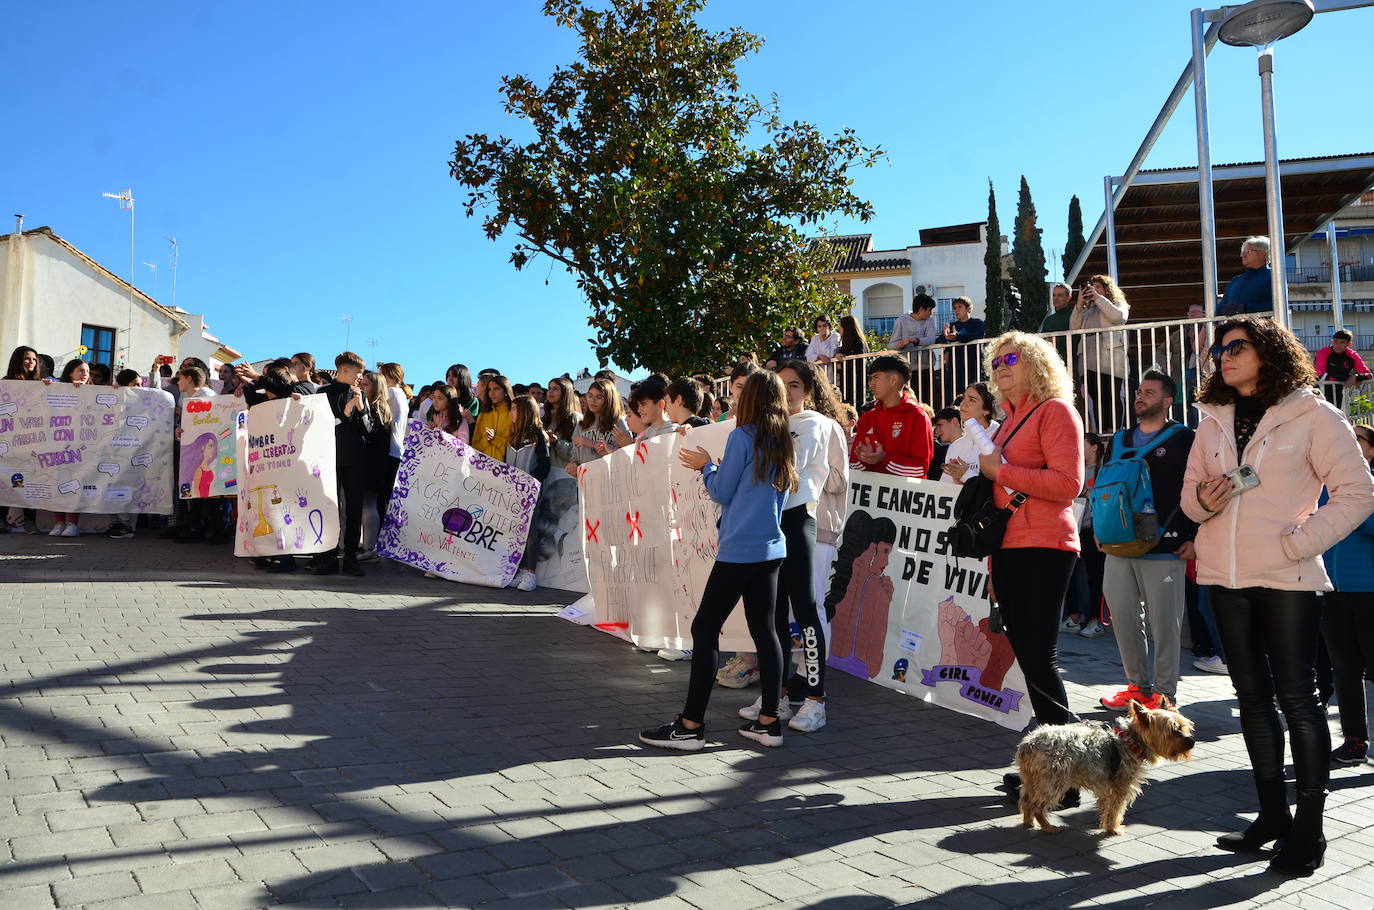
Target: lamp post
<point>126,201</point>
<point>347,320</point>
<point>1259,24</point>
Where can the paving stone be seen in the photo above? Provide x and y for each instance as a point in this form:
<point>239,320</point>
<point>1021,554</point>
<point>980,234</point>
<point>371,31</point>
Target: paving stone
<point>185,876</point>
<point>92,888</point>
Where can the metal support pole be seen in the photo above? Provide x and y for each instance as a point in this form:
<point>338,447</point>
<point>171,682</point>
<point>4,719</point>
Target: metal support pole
<point>1337,305</point>
<point>1108,185</point>
<point>1204,166</point>
<point>1272,191</point>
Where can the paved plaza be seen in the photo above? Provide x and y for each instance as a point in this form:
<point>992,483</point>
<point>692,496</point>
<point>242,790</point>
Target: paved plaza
<point>181,731</point>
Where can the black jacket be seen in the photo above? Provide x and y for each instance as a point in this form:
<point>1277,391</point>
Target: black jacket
<point>1167,464</point>
<point>351,433</point>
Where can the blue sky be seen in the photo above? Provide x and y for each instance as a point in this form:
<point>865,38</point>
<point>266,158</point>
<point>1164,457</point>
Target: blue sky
<point>298,150</point>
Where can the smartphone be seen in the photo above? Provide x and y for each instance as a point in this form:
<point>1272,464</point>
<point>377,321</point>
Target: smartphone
<point>166,358</point>
<point>1242,478</point>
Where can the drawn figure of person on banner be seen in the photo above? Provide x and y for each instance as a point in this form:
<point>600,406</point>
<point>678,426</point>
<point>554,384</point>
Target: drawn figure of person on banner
<point>859,626</point>
<point>964,644</point>
<point>198,464</point>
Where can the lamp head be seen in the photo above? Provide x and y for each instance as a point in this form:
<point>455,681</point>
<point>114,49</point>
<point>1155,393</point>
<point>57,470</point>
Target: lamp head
<point>1262,22</point>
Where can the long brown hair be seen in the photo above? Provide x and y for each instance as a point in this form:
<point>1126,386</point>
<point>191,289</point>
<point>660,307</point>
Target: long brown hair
<point>851,334</point>
<point>560,421</point>
<point>501,383</point>
<point>611,414</point>
<point>379,400</point>
<point>396,378</point>
<point>526,427</point>
<point>763,405</point>
<point>16,370</point>
<point>455,416</point>
<point>820,397</point>
<point>1285,365</point>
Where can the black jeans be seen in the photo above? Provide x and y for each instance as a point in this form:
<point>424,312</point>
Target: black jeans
<point>352,489</point>
<point>757,583</point>
<point>795,591</point>
<point>1203,643</point>
<point>1031,583</point>
<point>1348,627</point>
<point>1270,639</point>
<point>1085,584</point>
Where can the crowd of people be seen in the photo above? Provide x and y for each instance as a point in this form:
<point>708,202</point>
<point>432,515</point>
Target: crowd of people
<point>1242,523</point>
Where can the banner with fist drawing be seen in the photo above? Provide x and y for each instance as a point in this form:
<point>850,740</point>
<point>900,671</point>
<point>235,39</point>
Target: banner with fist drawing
<point>910,616</point>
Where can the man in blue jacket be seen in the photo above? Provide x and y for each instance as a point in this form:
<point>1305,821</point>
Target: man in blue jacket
<point>1252,291</point>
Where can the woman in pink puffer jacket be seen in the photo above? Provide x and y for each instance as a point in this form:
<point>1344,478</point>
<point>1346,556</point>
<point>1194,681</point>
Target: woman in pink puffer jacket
<point>1260,550</point>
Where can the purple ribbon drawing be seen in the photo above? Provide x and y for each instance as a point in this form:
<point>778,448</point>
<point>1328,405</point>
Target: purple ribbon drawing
<point>317,515</point>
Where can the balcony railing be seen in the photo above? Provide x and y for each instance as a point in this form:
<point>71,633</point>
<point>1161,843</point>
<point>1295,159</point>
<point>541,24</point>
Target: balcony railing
<point>1315,343</point>
<point>1106,366</point>
<point>1321,274</point>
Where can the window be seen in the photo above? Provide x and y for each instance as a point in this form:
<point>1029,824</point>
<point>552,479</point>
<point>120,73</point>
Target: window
<point>99,344</point>
<point>944,311</point>
<point>880,325</point>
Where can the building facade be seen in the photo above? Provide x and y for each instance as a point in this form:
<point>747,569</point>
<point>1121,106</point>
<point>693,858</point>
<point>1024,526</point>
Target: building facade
<point>1313,277</point>
<point>947,263</point>
<point>56,299</point>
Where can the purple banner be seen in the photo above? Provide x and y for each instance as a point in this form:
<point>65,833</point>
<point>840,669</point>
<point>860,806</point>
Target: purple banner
<point>1004,700</point>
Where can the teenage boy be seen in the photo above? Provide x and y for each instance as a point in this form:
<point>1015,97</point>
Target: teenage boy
<point>649,402</point>
<point>352,428</point>
<point>1147,592</point>
<point>947,430</point>
<point>915,330</point>
<point>895,436</point>
<point>684,402</point>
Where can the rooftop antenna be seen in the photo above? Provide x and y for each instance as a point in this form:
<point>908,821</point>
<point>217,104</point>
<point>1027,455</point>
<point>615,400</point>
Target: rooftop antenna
<point>153,266</point>
<point>173,257</point>
<point>126,201</point>
<point>347,320</point>
<point>372,343</point>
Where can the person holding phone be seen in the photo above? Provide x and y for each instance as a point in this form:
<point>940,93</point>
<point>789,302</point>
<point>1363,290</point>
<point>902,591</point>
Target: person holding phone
<point>1101,305</point>
<point>1265,447</point>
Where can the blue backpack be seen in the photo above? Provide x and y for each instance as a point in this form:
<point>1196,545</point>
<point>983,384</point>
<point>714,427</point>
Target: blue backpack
<point>1123,500</point>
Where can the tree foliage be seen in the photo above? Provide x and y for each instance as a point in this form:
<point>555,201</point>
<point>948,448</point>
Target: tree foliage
<point>676,199</point>
<point>994,311</point>
<point>1028,258</point>
<point>1074,247</point>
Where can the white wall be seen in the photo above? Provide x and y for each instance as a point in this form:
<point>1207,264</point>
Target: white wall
<point>46,297</point>
<point>954,265</point>
<point>858,287</point>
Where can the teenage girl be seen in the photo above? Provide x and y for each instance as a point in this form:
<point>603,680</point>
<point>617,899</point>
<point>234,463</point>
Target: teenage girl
<point>596,433</point>
<point>751,483</point>
<point>560,420</point>
<point>24,365</point>
<point>491,433</point>
<point>381,467</point>
<point>445,412</point>
<point>527,432</point>
<point>78,373</point>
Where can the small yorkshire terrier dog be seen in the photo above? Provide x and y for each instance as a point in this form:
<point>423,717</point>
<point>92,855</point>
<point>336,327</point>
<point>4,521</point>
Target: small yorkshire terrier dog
<point>1108,759</point>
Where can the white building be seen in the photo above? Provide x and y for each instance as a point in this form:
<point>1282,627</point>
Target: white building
<point>56,299</point>
<point>1311,279</point>
<point>948,263</point>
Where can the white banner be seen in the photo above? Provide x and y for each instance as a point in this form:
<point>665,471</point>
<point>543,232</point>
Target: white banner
<point>287,486</point>
<point>209,449</point>
<point>910,616</point>
<point>649,540</point>
<point>556,535</point>
<point>456,512</point>
<point>89,449</point>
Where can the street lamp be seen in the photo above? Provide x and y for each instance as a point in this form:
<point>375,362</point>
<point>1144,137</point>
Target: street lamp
<point>1259,24</point>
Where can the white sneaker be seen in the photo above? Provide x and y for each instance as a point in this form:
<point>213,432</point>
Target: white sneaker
<point>1211,664</point>
<point>739,672</point>
<point>71,531</point>
<point>809,718</point>
<point>1091,629</point>
<point>524,580</point>
<point>751,712</point>
<point>671,653</point>
<point>57,530</point>
<point>1070,626</point>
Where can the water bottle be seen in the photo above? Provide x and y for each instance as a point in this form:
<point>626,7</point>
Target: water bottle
<point>979,436</point>
<point>1148,522</point>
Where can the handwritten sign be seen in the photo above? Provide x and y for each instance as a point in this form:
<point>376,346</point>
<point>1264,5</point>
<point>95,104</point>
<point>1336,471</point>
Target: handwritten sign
<point>287,487</point>
<point>209,449</point>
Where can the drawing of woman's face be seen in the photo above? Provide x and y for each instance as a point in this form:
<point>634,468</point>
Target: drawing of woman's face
<point>874,559</point>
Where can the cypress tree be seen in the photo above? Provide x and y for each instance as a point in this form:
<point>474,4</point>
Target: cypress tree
<point>1074,247</point>
<point>1028,262</point>
<point>994,311</point>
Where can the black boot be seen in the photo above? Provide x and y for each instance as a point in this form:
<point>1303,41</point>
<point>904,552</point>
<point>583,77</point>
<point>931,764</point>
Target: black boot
<point>1273,822</point>
<point>1304,848</point>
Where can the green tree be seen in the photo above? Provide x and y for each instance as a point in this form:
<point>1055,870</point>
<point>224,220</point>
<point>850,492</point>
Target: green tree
<point>675,198</point>
<point>1074,247</point>
<point>994,311</point>
<point>1028,262</point>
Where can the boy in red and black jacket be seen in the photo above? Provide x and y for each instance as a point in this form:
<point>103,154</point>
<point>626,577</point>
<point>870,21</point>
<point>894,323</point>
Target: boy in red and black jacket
<point>893,437</point>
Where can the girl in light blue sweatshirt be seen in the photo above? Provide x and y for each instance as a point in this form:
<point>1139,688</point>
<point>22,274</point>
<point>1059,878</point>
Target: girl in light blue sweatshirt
<point>751,484</point>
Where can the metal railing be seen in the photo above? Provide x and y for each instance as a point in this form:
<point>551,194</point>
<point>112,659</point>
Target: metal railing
<point>1321,274</point>
<point>1315,343</point>
<point>1106,365</point>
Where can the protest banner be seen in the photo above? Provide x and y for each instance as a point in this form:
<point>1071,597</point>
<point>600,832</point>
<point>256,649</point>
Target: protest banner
<point>87,449</point>
<point>456,512</point>
<point>909,615</point>
<point>209,448</point>
<point>556,535</point>
<point>649,540</point>
<point>287,487</point>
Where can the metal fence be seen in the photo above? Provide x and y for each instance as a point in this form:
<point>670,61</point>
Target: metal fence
<point>1106,366</point>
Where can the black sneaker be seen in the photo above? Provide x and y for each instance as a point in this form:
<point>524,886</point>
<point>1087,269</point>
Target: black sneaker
<point>282,564</point>
<point>353,567</point>
<point>329,566</point>
<point>764,734</point>
<point>1350,752</point>
<point>119,531</point>
<point>675,736</point>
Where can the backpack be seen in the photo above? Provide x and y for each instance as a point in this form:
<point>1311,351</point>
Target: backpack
<point>1123,500</point>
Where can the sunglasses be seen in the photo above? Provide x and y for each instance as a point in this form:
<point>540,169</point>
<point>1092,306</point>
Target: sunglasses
<point>1008,359</point>
<point>1229,350</point>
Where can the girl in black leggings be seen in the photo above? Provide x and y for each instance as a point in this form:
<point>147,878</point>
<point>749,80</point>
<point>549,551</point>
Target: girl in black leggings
<point>751,484</point>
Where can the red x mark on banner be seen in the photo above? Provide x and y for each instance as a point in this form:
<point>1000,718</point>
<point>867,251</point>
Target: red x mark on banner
<point>591,530</point>
<point>632,519</point>
<point>641,452</point>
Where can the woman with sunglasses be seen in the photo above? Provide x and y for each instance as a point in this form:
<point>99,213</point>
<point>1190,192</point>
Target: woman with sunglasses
<point>1038,453</point>
<point>1266,446</point>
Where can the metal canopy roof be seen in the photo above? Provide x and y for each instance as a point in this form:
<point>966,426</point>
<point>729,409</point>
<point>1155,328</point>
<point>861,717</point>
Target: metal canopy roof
<point>1158,234</point>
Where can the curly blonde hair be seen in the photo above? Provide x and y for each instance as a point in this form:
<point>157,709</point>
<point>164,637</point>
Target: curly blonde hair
<point>1049,378</point>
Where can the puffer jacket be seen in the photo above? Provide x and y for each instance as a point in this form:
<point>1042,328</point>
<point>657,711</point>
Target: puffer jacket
<point>830,508</point>
<point>1273,536</point>
<point>1350,563</point>
<point>1102,352</point>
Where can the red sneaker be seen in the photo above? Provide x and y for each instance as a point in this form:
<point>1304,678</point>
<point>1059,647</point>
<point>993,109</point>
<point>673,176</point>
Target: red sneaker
<point>1121,701</point>
<point>1154,702</point>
